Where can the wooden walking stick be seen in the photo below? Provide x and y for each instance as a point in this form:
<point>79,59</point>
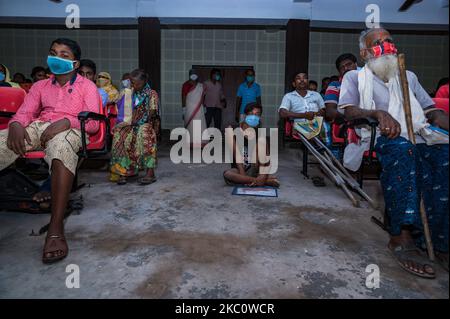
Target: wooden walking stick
<point>412,138</point>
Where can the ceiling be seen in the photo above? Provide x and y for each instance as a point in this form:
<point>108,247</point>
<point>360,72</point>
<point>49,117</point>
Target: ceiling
<point>338,13</point>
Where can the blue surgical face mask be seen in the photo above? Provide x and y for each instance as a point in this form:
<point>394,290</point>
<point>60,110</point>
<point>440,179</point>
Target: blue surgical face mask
<point>252,120</point>
<point>250,78</point>
<point>59,66</point>
<point>126,84</point>
<point>2,76</point>
<point>217,77</point>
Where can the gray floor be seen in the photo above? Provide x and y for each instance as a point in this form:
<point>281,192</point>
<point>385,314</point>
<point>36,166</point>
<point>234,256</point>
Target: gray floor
<point>187,237</point>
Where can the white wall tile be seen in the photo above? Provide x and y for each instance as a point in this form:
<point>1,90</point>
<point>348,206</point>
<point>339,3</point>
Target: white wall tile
<point>427,55</point>
<point>112,50</point>
<point>225,47</point>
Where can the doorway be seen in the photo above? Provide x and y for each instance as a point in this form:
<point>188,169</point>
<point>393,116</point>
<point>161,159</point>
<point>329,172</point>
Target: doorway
<point>232,77</point>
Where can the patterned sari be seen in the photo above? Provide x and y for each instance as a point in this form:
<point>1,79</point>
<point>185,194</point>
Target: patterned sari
<point>135,144</point>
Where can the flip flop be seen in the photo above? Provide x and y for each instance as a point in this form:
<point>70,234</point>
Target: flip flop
<point>53,245</point>
<point>411,253</point>
<point>442,260</point>
<point>147,180</point>
<point>318,181</point>
<point>122,180</point>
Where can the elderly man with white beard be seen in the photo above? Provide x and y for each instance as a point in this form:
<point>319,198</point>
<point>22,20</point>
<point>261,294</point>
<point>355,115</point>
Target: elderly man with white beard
<point>408,171</point>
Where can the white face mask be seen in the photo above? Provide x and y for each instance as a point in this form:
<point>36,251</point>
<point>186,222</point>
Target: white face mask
<point>126,83</point>
<point>194,77</point>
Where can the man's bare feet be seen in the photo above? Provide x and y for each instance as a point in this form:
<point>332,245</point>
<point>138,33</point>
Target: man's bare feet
<point>274,182</point>
<point>42,196</point>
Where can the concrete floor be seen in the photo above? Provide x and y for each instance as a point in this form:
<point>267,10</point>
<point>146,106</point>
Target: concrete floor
<point>187,237</point>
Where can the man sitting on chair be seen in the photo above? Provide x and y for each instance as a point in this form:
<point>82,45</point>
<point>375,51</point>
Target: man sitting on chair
<point>301,105</point>
<point>408,171</point>
<point>47,120</point>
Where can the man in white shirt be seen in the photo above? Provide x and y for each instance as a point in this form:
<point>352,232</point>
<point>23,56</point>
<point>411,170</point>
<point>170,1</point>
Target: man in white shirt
<point>409,171</point>
<point>301,104</point>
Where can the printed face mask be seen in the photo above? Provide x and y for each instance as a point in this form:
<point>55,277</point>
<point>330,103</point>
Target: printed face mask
<point>194,77</point>
<point>59,66</point>
<point>2,76</point>
<point>252,120</point>
<point>383,49</point>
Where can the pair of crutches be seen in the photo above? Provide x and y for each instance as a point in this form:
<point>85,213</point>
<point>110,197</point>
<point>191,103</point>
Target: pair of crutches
<point>336,171</point>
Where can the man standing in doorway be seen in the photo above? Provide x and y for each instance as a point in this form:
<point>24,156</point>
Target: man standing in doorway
<point>214,99</point>
<point>248,92</point>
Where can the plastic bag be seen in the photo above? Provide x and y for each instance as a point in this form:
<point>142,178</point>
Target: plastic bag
<point>353,156</point>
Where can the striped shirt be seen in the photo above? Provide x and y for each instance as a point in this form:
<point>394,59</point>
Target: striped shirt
<point>332,93</point>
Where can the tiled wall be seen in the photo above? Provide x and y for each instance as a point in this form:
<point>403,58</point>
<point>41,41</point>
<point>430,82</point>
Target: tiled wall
<point>426,55</point>
<point>182,48</point>
<point>114,51</point>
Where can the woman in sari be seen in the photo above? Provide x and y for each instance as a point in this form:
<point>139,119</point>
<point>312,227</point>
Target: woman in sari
<point>104,81</point>
<point>134,140</point>
<point>192,96</point>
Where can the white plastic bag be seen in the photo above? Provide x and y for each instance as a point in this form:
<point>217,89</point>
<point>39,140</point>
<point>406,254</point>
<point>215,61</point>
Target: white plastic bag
<point>353,155</point>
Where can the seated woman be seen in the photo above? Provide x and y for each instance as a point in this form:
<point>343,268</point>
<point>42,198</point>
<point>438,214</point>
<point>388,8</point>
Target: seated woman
<point>5,78</point>
<point>243,172</point>
<point>134,142</point>
<point>104,81</point>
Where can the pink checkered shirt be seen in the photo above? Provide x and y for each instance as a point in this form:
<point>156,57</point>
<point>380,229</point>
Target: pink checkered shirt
<point>47,101</point>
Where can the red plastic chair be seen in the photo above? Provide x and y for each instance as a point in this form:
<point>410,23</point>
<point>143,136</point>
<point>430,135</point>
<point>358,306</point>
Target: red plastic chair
<point>441,103</point>
<point>111,113</point>
<point>335,134</point>
<point>11,98</point>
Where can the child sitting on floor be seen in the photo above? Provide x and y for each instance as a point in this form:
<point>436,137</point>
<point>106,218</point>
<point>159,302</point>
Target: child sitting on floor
<point>244,171</point>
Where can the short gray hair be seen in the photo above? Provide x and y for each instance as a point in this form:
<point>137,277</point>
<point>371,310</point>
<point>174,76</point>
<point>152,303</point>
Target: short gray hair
<point>365,33</point>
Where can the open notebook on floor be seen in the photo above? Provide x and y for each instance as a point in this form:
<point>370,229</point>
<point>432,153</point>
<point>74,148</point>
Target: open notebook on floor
<point>264,191</point>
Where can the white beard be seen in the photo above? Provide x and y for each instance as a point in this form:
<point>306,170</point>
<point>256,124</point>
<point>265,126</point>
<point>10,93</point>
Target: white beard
<point>385,67</point>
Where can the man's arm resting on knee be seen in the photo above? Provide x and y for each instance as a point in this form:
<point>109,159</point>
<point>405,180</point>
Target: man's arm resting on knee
<point>53,129</point>
<point>16,138</point>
